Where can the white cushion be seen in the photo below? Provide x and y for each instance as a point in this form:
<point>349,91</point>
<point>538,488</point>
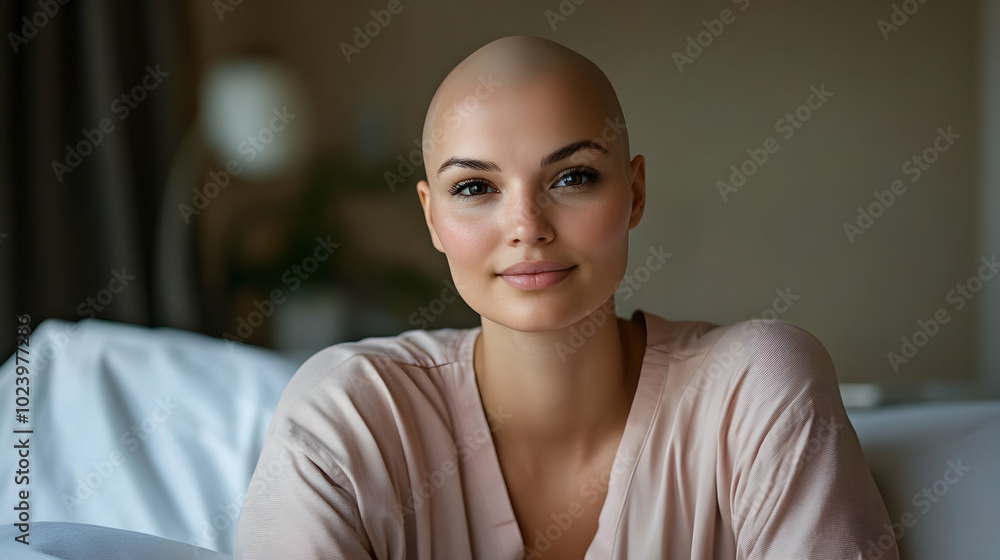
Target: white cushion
<point>149,430</point>
<point>949,449</point>
<point>50,540</point>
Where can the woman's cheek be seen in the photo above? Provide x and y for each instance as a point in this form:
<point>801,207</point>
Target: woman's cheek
<point>607,236</point>
<point>605,227</point>
<point>466,242</point>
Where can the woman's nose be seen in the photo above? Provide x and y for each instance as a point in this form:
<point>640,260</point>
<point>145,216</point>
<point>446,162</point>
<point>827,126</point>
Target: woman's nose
<point>528,217</point>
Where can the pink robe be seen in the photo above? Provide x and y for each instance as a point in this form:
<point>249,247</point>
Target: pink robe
<point>737,446</point>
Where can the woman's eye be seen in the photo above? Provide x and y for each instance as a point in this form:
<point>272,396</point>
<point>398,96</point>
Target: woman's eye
<point>474,188</point>
<point>578,177</point>
<point>573,179</point>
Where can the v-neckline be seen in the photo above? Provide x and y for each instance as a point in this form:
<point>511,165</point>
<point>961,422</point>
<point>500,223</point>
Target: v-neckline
<point>486,461</point>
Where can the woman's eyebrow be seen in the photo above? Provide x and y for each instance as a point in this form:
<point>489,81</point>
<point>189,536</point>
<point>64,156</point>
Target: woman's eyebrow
<point>558,155</point>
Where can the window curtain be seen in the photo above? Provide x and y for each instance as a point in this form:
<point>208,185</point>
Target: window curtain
<point>98,97</point>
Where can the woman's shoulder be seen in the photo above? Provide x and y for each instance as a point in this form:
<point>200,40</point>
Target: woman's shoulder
<point>751,360</point>
<point>775,338</point>
<point>784,362</point>
<point>701,338</point>
<point>418,348</point>
<point>371,372</point>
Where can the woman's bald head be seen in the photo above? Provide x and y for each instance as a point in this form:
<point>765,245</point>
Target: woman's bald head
<point>530,73</point>
<point>527,159</point>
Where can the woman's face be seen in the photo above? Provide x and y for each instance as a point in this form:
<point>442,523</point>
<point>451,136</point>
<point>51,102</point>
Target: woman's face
<point>528,200</point>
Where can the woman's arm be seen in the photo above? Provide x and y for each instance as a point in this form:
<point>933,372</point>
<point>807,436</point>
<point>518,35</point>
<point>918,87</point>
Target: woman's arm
<point>297,505</point>
<point>799,486</point>
<point>320,488</point>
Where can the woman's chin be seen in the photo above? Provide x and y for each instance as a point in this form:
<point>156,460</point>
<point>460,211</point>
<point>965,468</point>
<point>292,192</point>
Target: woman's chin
<point>541,316</point>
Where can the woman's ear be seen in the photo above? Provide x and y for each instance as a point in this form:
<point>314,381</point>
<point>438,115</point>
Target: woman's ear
<point>638,167</point>
<point>424,192</point>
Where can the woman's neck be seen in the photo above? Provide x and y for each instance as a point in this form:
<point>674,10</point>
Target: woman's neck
<point>562,393</point>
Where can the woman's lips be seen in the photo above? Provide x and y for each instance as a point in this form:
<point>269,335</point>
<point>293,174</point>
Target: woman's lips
<point>537,281</point>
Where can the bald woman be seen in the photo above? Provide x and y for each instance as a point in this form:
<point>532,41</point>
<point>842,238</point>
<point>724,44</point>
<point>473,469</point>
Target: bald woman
<point>555,429</point>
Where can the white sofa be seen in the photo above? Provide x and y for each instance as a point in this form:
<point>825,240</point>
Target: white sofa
<point>155,431</point>
<point>145,439</point>
<point>937,466</point>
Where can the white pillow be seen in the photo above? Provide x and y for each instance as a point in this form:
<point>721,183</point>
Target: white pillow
<point>54,540</point>
<point>149,430</point>
<point>937,466</point>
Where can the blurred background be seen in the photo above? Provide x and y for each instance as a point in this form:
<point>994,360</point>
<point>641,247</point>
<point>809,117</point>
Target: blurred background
<point>247,170</point>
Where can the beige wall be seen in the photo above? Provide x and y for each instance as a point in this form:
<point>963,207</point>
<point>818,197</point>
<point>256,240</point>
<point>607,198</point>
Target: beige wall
<point>784,228</point>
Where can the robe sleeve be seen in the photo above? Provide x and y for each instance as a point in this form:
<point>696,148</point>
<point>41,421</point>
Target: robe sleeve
<point>320,488</point>
<point>298,505</point>
<point>799,486</point>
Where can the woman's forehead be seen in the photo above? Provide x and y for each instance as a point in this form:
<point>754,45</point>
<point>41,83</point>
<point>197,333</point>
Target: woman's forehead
<point>532,117</point>
<point>521,95</point>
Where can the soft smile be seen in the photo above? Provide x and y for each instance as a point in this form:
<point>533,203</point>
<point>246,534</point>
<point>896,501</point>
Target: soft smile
<point>535,276</point>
